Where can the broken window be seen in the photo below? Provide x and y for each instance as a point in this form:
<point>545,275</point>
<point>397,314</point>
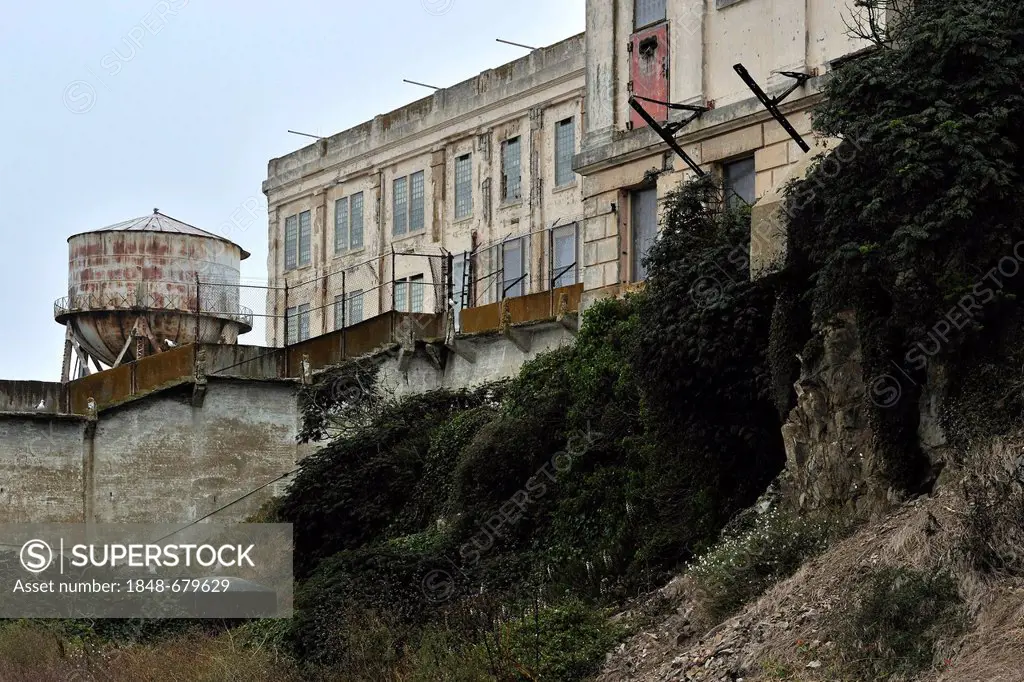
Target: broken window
<point>511,185</point>
<point>463,186</point>
<point>565,147</point>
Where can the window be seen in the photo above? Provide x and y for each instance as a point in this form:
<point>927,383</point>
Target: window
<point>350,310</point>
<point>511,178</point>
<point>298,240</point>
<point>409,294</point>
<point>355,231</point>
<point>408,208</point>
<point>291,242</point>
<point>297,319</point>
<point>416,211</point>
<point>563,249</point>
<point>738,181</point>
<point>512,268</point>
<point>464,186</point>
<point>348,223</point>
<point>400,205</point>
<point>565,146</point>
<point>293,330</point>
<point>644,228</point>
<point>305,239</point>
<point>341,225</point>
<point>646,12</point>
<point>354,310</point>
<point>416,294</point>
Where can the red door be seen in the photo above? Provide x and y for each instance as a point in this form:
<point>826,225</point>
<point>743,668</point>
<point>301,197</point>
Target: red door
<point>648,71</point>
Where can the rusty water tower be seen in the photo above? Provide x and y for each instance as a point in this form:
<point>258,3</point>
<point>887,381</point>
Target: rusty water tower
<point>133,290</point>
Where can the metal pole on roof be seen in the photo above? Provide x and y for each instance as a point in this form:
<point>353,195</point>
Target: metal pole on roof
<point>509,42</point>
<point>422,85</point>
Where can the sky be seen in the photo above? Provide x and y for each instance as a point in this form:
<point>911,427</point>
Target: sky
<point>109,109</point>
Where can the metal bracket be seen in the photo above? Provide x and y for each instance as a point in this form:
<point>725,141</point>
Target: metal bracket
<point>668,131</point>
<point>772,103</point>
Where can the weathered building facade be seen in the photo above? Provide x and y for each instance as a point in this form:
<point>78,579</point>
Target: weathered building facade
<point>481,170</point>
<point>684,52</point>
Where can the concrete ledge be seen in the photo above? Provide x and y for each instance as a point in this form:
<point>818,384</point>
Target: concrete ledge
<point>520,310</point>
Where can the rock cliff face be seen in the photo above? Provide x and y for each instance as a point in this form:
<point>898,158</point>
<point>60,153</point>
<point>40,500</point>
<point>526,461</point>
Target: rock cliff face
<point>830,458</point>
<point>831,447</point>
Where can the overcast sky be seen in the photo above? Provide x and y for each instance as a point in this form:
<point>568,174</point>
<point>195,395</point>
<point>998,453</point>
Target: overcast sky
<point>110,109</point>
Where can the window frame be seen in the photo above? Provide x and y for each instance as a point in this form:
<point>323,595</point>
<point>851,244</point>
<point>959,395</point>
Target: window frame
<point>414,206</point>
<point>352,246</point>
<point>520,276</point>
<point>467,204</point>
<point>572,269</point>
<point>342,229</point>
<point>727,185</point>
<point>506,185</point>
<point>637,25</point>
<point>306,228</point>
<point>291,242</point>
<point>570,174</point>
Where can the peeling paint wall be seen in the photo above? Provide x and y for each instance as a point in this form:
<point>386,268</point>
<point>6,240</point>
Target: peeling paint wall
<point>524,98</point>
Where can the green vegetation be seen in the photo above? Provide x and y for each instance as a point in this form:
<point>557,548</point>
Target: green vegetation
<point>594,475</point>
<point>914,222</point>
<point>896,623</point>
<point>749,561</point>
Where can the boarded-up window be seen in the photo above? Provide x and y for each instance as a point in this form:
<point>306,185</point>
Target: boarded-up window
<point>464,186</point>
<point>511,163</point>
<point>291,242</point>
<point>305,238</point>
<point>356,227</point>
<point>565,147</point>
<point>400,207</point>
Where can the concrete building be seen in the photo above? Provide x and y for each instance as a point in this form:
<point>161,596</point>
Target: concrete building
<point>481,170</point>
<point>684,52</point>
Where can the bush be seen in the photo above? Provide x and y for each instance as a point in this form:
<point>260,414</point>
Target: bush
<point>745,564</point>
<point>564,643</point>
<point>895,622</point>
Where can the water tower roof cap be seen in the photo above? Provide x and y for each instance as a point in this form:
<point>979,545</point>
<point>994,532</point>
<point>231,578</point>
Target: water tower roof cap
<point>159,222</point>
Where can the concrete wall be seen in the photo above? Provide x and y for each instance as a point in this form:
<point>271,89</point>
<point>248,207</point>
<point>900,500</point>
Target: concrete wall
<point>493,357</point>
<point>524,98</point>
<point>154,459</point>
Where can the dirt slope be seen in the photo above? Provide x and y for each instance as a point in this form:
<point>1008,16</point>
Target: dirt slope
<point>781,635</point>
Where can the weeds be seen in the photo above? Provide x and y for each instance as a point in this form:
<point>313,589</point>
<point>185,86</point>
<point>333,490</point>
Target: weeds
<point>896,622</point>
